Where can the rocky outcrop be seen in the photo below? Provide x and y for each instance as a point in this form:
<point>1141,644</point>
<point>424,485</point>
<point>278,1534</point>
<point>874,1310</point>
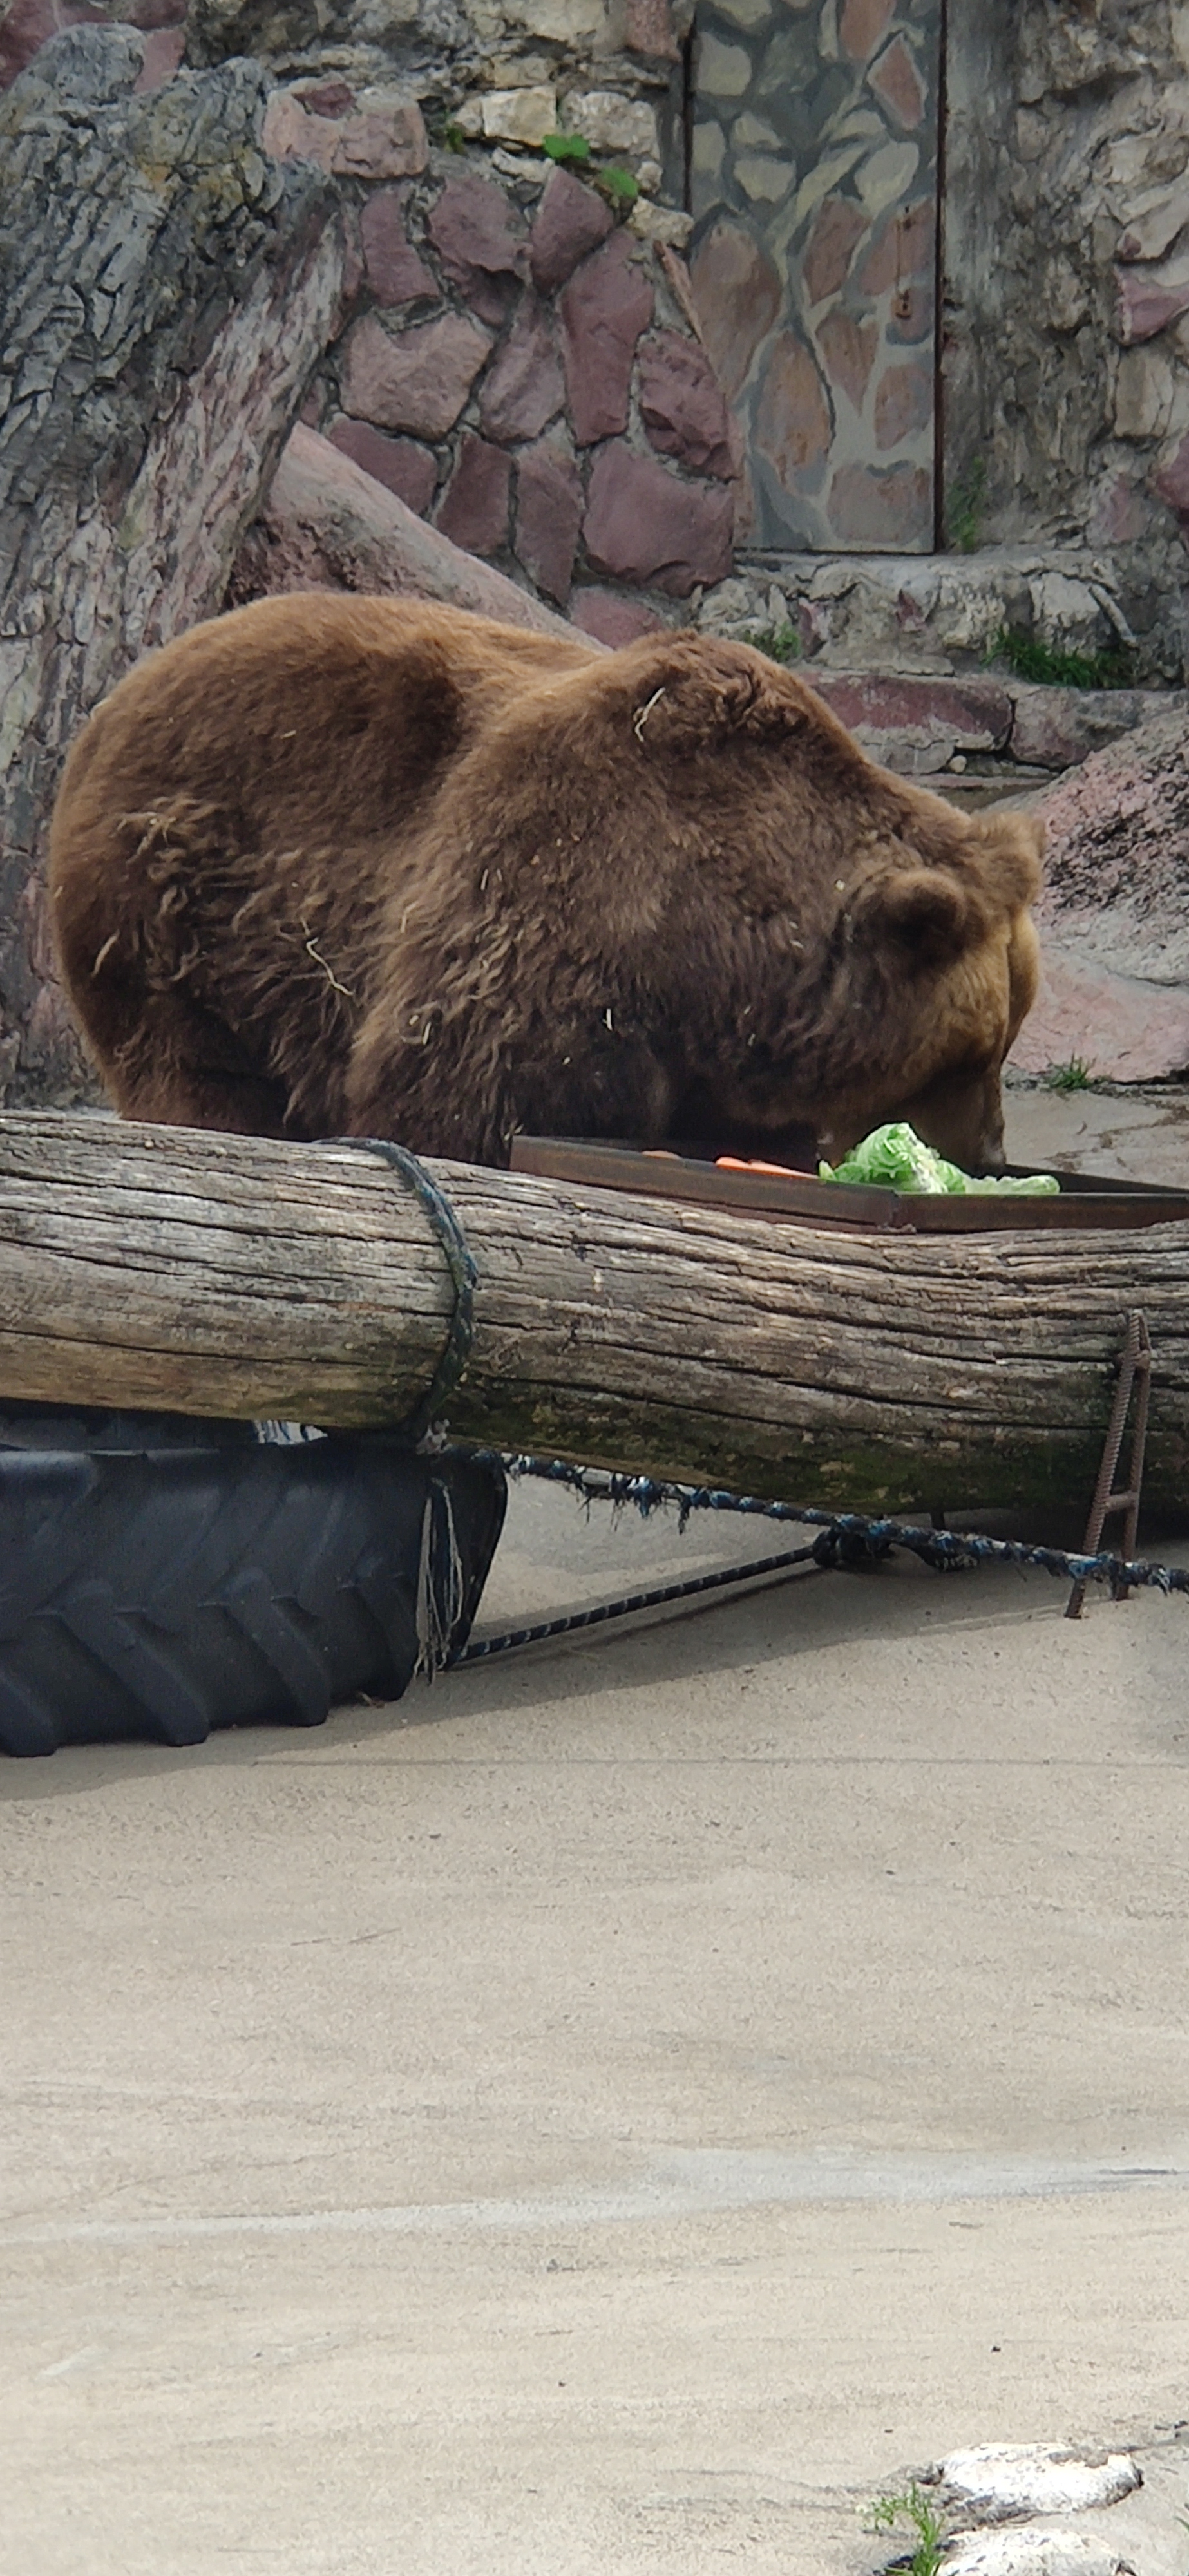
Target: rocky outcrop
<point>167,290</point>
<point>1114,913</point>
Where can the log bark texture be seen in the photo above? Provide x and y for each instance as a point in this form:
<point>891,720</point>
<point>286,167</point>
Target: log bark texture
<point>326,525</point>
<point>160,1268</point>
<point>166,292</point>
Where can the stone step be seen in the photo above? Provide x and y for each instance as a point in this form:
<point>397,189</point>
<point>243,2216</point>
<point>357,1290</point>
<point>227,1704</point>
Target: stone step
<point>946,614</point>
<point>922,726</point>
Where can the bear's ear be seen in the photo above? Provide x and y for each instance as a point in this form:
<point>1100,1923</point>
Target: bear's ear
<point>1012,853</point>
<point>696,690</point>
<point>928,912</point>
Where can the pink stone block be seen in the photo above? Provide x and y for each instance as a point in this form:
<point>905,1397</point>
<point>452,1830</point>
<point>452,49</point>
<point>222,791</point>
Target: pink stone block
<point>648,30</point>
<point>548,517</point>
<point>838,228</point>
<point>479,238</point>
<point>793,423</point>
<point>1172,482</point>
<point>29,25</point>
<point>398,463</point>
<point>474,513</point>
<point>570,222</point>
<point>612,620</point>
<point>682,406</point>
<point>395,272</point>
<point>417,379</point>
<point>381,143</point>
<point>326,97</point>
<point>913,722</point>
<point>901,251</point>
<point>737,293</point>
<point>388,142</point>
<point>861,25</point>
<point>904,400</point>
<point>163,55</point>
<point>1119,514</point>
<point>896,81</point>
<point>645,526</point>
<point>890,509</point>
<point>604,309</point>
<point>523,387</point>
<point>1147,301</point>
<point>848,349</point>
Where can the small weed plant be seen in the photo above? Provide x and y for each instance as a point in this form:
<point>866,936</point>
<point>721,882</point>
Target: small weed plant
<point>966,506</point>
<point>1027,659</point>
<point>567,148</point>
<point>780,643</point>
<point>1073,1075</point>
<point>912,2511</point>
<point>573,152</point>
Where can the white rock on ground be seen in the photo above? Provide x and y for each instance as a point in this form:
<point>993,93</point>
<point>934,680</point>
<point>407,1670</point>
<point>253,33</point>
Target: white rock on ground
<point>1057,2551</point>
<point>1002,2480</point>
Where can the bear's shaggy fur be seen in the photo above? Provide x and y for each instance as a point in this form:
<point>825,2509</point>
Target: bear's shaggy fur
<point>333,866</point>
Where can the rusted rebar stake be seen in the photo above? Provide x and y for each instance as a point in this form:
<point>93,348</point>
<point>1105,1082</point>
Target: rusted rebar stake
<point>1135,1363</point>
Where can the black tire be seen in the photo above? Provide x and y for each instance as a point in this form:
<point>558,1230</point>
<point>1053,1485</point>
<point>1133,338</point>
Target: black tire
<point>161,1577</point>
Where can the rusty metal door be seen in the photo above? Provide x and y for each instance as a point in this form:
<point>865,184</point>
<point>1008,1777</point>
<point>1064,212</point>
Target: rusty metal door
<point>814,149</point>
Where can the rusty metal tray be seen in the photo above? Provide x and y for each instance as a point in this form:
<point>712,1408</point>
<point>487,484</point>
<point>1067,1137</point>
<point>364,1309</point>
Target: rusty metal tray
<point>693,1177</point>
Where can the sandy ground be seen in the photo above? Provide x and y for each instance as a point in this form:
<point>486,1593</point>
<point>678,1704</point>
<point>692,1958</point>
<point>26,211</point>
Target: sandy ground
<point>615,2110</point>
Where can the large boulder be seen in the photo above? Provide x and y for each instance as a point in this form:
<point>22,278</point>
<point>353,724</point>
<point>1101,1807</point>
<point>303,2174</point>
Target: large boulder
<point>1114,914</point>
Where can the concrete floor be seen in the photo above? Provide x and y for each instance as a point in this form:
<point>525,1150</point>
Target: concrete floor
<point>611,2112</point>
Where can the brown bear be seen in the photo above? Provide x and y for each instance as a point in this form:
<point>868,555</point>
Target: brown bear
<point>343,866</point>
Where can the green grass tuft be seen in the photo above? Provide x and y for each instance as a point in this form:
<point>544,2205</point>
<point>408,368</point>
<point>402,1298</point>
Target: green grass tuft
<point>566,147</point>
<point>618,185</point>
<point>780,643</point>
<point>912,2507</point>
<point>1028,660</point>
<point>1074,1075</point>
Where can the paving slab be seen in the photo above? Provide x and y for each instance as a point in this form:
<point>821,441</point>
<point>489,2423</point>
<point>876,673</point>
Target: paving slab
<point>615,2109</point>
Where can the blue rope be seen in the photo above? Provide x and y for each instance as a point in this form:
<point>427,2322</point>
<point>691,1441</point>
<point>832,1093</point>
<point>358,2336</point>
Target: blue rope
<point>870,1536</point>
<point>460,1263</point>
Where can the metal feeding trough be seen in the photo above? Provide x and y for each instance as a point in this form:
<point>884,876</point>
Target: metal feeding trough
<point>689,1173</point>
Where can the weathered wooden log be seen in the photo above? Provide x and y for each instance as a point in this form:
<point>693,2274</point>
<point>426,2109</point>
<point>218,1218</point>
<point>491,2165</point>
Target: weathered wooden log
<point>166,291</point>
<point>157,1267</point>
<point>325,525</point>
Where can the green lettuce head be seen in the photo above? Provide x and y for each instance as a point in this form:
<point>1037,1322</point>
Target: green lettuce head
<point>895,1158</point>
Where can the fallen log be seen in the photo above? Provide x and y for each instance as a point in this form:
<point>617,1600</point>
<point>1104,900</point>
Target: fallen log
<point>326,525</point>
<point>161,1268</point>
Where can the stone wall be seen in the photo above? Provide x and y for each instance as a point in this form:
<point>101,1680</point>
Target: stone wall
<point>1064,350</point>
<point>520,360</point>
<point>509,71</point>
<point>521,368</point>
<point>1066,345</point>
